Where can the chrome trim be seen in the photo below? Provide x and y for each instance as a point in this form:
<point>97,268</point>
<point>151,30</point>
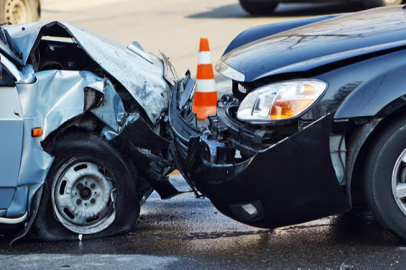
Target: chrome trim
<point>4,220</point>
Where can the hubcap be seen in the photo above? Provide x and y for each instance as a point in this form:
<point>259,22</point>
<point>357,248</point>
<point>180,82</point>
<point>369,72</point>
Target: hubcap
<point>82,197</point>
<point>17,11</point>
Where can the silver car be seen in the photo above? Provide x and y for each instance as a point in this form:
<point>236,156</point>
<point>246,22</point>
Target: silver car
<point>82,123</point>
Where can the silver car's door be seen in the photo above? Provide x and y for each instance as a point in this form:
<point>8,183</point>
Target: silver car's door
<point>11,138</point>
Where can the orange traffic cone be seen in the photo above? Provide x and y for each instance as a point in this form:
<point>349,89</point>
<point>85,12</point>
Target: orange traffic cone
<point>205,102</point>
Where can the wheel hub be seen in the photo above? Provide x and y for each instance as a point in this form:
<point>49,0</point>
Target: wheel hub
<point>85,193</point>
<point>82,196</point>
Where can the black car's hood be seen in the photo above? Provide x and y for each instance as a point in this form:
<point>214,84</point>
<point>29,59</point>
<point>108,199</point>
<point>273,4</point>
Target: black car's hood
<point>304,48</point>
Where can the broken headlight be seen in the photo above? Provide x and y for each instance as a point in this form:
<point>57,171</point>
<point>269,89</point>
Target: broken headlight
<point>280,100</point>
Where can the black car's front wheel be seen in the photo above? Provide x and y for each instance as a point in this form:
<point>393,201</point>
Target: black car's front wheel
<point>381,3</point>
<point>259,8</point>
<point>385,178</point>
<point>90,190</point>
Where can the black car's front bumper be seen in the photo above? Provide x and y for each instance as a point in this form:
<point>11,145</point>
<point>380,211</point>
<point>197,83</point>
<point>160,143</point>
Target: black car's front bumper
<point>289,182</point>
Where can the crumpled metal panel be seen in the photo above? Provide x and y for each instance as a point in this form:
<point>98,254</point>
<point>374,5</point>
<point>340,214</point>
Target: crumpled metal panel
<point>142,79</point>
<point>111,111</point>
<point>56,97</point>
<point>24,36</point>
<point>18,205</point>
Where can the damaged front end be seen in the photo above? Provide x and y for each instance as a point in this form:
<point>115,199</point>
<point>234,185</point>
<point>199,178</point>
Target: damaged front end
<point>64,81</point>
<point>265,177</point>
<point>308,98</point>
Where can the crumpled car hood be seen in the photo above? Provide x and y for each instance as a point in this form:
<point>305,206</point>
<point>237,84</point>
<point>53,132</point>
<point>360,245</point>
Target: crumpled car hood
<point>304,48</point>
<point>142,78</point>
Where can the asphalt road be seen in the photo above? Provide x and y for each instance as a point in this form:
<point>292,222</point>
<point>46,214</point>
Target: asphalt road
<point>189,233</point>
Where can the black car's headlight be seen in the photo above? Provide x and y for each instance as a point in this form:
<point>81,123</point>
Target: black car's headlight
<point>280,100</point>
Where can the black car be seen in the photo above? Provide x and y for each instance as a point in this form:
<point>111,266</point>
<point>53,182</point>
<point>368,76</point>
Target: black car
<point>315,123</point>
<point>266,7</point>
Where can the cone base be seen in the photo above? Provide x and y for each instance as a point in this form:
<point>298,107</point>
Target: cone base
<point>202,112</point>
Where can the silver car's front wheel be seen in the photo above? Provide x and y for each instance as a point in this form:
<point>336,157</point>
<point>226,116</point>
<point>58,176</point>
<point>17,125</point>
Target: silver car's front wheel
<point>90,191</point>
<point>83,197</point>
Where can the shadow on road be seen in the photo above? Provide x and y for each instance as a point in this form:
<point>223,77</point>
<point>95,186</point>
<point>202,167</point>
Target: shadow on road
<point>284,10</point>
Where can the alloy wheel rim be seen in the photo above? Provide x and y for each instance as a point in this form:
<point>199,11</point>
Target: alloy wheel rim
<point>399,182</point>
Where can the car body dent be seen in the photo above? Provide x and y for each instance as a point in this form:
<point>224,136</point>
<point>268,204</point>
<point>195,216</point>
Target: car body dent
<point>141,78</point>
<point>320,43</point>
<point>57,99</point>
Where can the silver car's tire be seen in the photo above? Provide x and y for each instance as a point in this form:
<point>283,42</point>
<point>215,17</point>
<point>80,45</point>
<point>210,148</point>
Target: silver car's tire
<point>385,177</point>
<point>259,8</point>
<point>381,3</point>
<point>19,11</point>
<point>90,190</point>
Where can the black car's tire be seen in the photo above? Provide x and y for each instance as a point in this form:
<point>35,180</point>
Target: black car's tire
<point>71,150</point>
<point>381,164</point>
<point>19,11</point>
<point>380,3</point>
<point>259,8</point>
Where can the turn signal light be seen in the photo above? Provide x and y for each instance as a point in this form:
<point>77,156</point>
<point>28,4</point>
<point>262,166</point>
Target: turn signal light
<point>37,132</point>
<point>288,108</point>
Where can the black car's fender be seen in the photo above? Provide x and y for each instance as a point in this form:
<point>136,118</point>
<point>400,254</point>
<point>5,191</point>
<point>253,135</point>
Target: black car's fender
<point>369,88</point>
<point>372,91</point>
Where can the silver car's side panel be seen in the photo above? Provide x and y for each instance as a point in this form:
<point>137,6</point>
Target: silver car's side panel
<point>11,136</point>
<point>11,126</point>
<point>18,205</point>
<point>6,195</point>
